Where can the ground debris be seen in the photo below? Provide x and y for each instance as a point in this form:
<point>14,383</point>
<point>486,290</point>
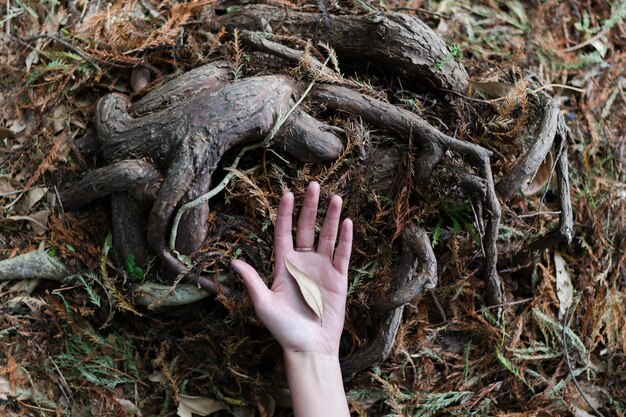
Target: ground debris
<point>77,348</point>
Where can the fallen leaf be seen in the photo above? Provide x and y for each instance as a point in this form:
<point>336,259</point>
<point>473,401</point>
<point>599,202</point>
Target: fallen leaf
<point>31,198</point>
<point>577,412</point>
<point>309,289</point>
<point>139,78</point>
<point>491,90</point>
<point>202,406</point>
<point>564,287</point>
<point>7,185</point>
<point>40,224</point>
<point>33,57</point>
<point>59,117</point>
<point>37,221</point>
<point>541,177</point>
<point>129,407</point>
<point>156,376</point>
<point>8,390</point>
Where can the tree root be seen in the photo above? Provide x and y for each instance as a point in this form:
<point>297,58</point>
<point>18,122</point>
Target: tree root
<point>158,297</point>
<point>551,129</point>
<point>431,141</point>
<point>33,265</point>
<point>394,41</point>
<point>417,270</point>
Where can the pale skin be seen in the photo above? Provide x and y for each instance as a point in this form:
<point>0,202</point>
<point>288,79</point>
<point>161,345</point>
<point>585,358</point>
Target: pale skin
<point>310,348</point>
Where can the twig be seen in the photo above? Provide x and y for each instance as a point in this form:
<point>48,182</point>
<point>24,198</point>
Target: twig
<point>587,42</point>
<point>539,213</point>
<point>68,45</point>
<point>265,142</point>
<point>495,100</point>
<point>571,370</point>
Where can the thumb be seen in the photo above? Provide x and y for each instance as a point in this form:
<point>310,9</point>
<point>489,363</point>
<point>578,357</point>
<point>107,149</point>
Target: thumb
<point>259,293</point>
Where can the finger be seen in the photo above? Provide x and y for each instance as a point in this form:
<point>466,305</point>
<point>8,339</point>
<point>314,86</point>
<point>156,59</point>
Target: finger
<point>259,293</point>
<point>283,240</point>
<point>344,248</point>
<point>305,236</point>
<point>328,235</point>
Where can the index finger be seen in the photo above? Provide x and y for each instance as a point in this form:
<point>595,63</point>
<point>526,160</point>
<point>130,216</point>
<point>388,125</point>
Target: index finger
<point>283,239</point>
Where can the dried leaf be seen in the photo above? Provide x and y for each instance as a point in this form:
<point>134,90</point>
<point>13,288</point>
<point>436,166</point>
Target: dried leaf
<point>540,180</point>
<point>7,185</point>
<point>491,90</point>
<point>564,287</point>
<point>139,78</point>
<point>59,117</point>
<point>201,406</point>
<point>37,221</point>
<point>31,198</point>
<point>10,390</point>
<point>129,407</point>
<point>309,289</point>
<point>40,223</point>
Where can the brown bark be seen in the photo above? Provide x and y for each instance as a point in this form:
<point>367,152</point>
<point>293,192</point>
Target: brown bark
<point>32,265</point>
<point>403,124</point>
<point>530,162</point>
<point>134,175</point>
<point>417,270</point>
<point>394,41</point>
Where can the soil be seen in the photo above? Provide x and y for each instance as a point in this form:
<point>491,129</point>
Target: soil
<point>471,292</point>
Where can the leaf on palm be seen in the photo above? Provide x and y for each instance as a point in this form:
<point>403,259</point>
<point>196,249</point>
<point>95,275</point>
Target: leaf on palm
<point>308,288</point>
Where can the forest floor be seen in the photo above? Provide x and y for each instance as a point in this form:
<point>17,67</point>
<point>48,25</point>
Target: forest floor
<point>81,348</point>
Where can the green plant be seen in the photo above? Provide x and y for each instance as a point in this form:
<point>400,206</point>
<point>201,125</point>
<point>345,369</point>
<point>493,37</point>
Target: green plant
<point>455,54</point>
<point>133,270</point>
<point>106,362</point>
<point>432,403</point>
<point>455,218</point>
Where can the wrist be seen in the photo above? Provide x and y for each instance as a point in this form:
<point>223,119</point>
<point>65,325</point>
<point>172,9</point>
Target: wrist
<point>301,358</point>
<point>316,384</point>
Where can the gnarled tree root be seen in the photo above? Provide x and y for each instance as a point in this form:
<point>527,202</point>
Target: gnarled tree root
<point>33,265</point>
<point>417,270</point>
<point>431,141</point>
<point>551,129</point>
<point>157,296</point>
<point>393,41</point>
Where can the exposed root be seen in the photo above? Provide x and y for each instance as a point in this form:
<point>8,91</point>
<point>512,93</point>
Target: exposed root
<point>417,270</point>
<point>32,265</point>
<point>394,41</point>
<point>404,124</point>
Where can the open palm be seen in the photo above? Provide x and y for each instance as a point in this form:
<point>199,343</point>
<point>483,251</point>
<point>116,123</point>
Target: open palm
<point>282,308</point>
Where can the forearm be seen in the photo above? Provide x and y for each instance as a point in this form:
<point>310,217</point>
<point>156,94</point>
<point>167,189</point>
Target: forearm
<point>316,385</point>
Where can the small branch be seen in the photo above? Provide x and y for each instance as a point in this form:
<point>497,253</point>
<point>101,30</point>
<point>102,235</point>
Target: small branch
<point>538,213</point>
<point>588,41</point>
<point>566,220</point>
<point>158,296</point>
<point>536,90</point>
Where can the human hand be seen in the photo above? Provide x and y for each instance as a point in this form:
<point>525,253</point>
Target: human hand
<point>282,308</point>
